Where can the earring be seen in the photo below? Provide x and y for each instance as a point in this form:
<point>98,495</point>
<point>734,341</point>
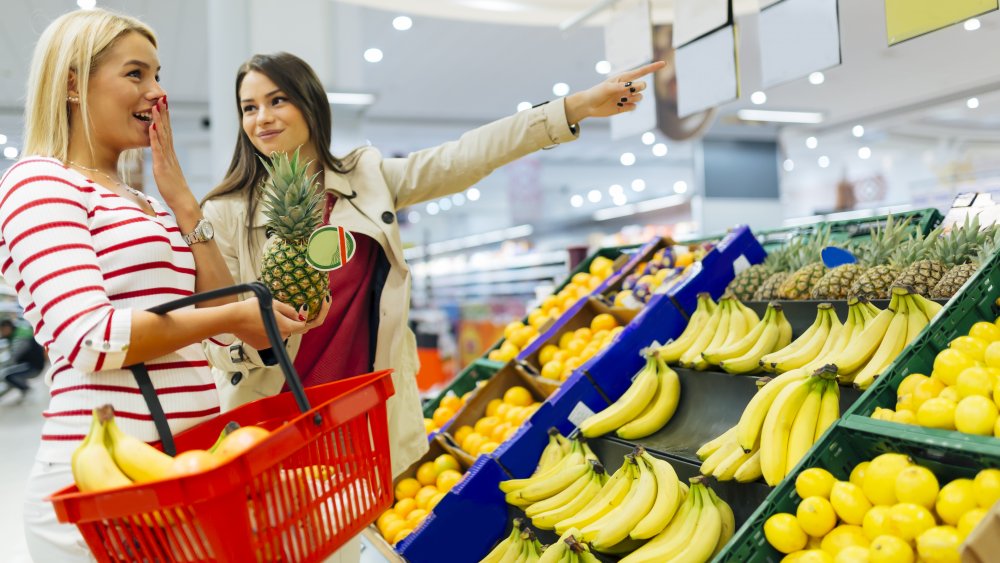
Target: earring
<point>72,99</point>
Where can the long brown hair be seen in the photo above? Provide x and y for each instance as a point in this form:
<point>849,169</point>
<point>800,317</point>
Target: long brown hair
<point>299,82</point>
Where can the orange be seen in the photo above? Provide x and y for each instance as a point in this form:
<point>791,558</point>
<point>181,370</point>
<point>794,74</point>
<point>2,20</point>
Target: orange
<point>584,334</point>
<point>603,321</point>
<point>429,426</point>
<point>599,335</point>
<point>451,401</point>
<point>491,407</point>
<point>425,495</point>
<point>510,432</point>
<point>536,318</point>
<point>471,443</point>
<point>486,425</point>
<point>513,415</point>
<point>495,356</point>
<point>547,353</point>
<point>442,415</point>
<point>561,356</point>
<point>404,507</point>
<point>594,283</point>
<point>427,473</point>
<point>581,278</point>
<point>387,517</point>
<point>575,346</point>
<point>500,431</point>
<point>554,312</point>
<point>448,479</point>
<point>521,336</point>
<point>488,447</point>
<point>522,414</point>
<point>508,351</point>
<point>196,461</point>
<point>393,528</point>
<point>415,516</point>
<point>517,396</point>
<point>511,327</point>
<point>444,462</point>
<point>572,365</point>
<point>407,488</point>
<point>435,500</point>
<point>552,370</point>
<point>589,352</point>
<point>549,302</point>
<point>564,339</point>
<point>502,411</point>
<point>400,535</point>
<point>462,433</point>
<point>239,441</point>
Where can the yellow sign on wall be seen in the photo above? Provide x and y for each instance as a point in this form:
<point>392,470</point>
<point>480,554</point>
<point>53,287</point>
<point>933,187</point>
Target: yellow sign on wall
<point>906,19</point>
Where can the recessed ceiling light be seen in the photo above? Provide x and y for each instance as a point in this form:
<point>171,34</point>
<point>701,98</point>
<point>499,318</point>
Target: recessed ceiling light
<point>780,116</point>
<point>615,189</point>
<point>458,199</point>
<point>523,106</point>
<point>87,4</point>
<point>864,153</point>
<point>816,78</point>
<point>648,138</point>
<point>432,208</point>
<point>858,131</point>
<point>972,103</point>
<point>560,89</point>
<point>788,165</point>
<point>3,139</point>
<point>638,184</point>
<point>594,196</point>
<point>972,24</point>
<point>603,67</point>
<point>373,55</point>
<point>472,194</point>
<point>444,203</point>
<point>627,159</point>
<point>413,216</point>
<point>619,199</point>
<point>402,23</point>
<point>350,98</point>
<point>758,97</point>
<point>576,200</point>
<point>823,161</point>
<point>10,152</point>
<point>659,149</point>
<point>680,186</point>
<point>812,142</point>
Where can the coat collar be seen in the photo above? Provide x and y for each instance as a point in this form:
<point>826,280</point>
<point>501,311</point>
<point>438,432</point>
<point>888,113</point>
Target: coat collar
<point>338,184</point>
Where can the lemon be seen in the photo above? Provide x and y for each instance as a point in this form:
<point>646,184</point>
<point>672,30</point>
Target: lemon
<point>926,389</point>
<point>849,502</point>
<point>917,485</point>
<point>904,416</point>
<point>937,413</point>
<point>987,487</point>
<point>985,331</point>
<point>939,545</point>
<point>890,549</point>
<point>852,554</point>
<point>407,488</point>
<point>858,473</point>
<point>908,520</point>
<point>814,556</point>
<point>784,533</point>
<point>976,415</point>
<point>793,557</point>
<point>955,499</point>
<point>969,521</point>
<point>814,482</point>
<point>909,383</point>
<point>992,356</point>
<point>906,402</point>
<point>816,516</point>
<point>970,346</point>
<point>949,363</point>
<point>842,537</point>
<point>950,393</point>
<point>880,478</point>
<point>996,429</point>
<point>976,380</point>
<point>877,522</point>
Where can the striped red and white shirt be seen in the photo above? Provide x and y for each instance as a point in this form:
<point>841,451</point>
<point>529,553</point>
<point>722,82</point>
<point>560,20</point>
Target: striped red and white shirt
<point>81,258</point>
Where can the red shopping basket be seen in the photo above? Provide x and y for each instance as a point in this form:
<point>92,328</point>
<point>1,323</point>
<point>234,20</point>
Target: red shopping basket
<point>318,479</point>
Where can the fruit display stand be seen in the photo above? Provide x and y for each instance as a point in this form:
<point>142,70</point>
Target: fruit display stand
<point>922,220</point>
<point>479,370</point>
<point>737,250</point>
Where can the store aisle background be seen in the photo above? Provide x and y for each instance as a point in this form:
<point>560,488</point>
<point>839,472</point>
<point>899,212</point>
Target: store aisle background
<point>20,426</point>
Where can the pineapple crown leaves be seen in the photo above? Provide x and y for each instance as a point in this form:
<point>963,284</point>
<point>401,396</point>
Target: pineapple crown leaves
<point>915,248</point>
<point>964,243</point>
<point>883,242</point>
<point>290,199</point>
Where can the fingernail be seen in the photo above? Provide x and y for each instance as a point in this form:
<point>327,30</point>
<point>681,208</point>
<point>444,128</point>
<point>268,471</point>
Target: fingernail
<point>154,125</point>
<point>632,90</point>
<point>621,104</point>
<point>165,101</point>
<point>624,99</point>
<point>302,317</point>
<point>328,298</point>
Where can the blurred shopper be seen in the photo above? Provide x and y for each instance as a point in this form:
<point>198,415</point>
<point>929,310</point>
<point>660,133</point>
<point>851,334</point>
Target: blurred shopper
<point>88,255</point>
<point>26,357</point>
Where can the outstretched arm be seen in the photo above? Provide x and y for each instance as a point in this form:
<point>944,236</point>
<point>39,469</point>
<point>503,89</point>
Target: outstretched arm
<point>617,94</point>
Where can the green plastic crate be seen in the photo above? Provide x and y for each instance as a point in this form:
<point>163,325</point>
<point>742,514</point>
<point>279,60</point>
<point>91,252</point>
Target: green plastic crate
<point>841,449</point>
<point>921,220</point>
<point>465,381</point>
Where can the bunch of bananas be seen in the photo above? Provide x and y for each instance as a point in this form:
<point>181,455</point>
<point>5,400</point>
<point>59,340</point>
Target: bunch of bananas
<point>823,335</point>
<point>644,408</point>
<point>743,356</point>
<point>520,546</point>
<point>724,459</point>
<point>712,328</point>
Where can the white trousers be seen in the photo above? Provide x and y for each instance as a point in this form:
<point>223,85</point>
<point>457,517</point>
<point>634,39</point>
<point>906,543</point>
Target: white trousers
<point>50,541</point>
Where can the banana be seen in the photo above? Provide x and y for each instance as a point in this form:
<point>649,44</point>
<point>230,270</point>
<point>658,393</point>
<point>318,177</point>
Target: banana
<point>668,495</point>
<point>809,348</point>
<point>226,431</point>
<point>552,453</point>
<point>552,484</point>
<point>785,336</point>
<point>616,524</point>
<point>893,342</point>
<point>850,329</point>
<point>750,470</point>
<point>660,410</point>
<point>796,344</point>
<point>726,470</point>
<point>738,326</point>
<point>612,494</point>
<point>929,308</point>
<point>501,548</point>
<point>768,341</point>
<point>671,352</point>
<point>916,320</point>
<point>693,353</point>
<point>829,410</point>
<point>547,520</point>
<point>628,406</point>
<point>668,543</point>
<point>554,553</point>
<point>93,467</point>
<point>566,495</point>
<point>741,346</point>
<point>721,333</point>
<point>803,432</point>
<point>139,461</point>
<point>752,420</point>
<point>713,461</point>
<point>626,546</point>
<point>715,443</point>
<point>708,530</point>
<point>512,485</point>
<point>777,425</point>
<point>728,522</point>
<point>749,314</point>
<point>862,347</point>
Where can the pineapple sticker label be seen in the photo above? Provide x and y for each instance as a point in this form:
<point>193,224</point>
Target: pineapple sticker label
<point>330,248</point>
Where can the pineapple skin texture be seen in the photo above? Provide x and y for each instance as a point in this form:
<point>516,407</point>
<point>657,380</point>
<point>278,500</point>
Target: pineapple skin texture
<point>768,290</point>
<point>837,282</point>
<point>748,281</point>
<point>290,278</point>
<point>921,276</point>
<point>953,280</point>
<point>875,282</point>
<point>800,284</point>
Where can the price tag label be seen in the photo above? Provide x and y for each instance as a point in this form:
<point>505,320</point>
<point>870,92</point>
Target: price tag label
<point>580,413</point>
<point>740,264</point>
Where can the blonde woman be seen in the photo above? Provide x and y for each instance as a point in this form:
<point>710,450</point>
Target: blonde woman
<point>88,255</point>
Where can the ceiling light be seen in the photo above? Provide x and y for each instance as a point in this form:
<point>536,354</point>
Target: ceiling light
<point>641,207</point>
<point>523,106</point>
<point>758,97</point>
<point>402,23</point>
<point>972,24</point>
<point>472,194</point>
<point>3,139</point>
<point>594,196</point>
<point>659,149</point>
<point>858,131</point>
<point>350,99</point>
<point>603,67</point>
<point>458,199</point>
<point>87,4</point>
<point>823,161</point>
<point>10,152</point>
<point>413,216</point>
<point>560,89</point>
<point>864,153</point>
<point>788,165</point>
<point>444,203</point>
<point>619,199</point>
<point>648,138</point>
<point>615,189</point>
<point>812,142</point>
<point>627,159</point>
<point>432,208</point>
<point>680,186</point>
<point>780,116</point>
<point>816,78</point>
<point>576,200</point>
<point>373,55</point>
<point>638,184</point>
<point>972,103</point>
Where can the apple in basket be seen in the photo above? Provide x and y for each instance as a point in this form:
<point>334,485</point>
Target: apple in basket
<point>239,441</point>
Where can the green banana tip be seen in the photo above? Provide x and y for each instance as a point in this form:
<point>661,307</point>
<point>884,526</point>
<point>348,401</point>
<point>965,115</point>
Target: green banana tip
<point>597,466</point>
<point>828,372</point>
<point>518,523</point>
<point>774,305</point>
<point>825,306</point>
<point>553,431</point>
<point>697,480</point>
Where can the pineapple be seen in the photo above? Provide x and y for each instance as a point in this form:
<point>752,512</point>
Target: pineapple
<point>963,250</point>
<point>745,285</point>
<point>291,203</point>
<point>779,264</point>
<point>837,282</point>
<point>923,273</point>
<point>800,283</point>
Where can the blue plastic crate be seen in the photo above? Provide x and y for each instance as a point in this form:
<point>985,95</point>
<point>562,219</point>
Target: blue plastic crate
<point>467,522</point>
<point>715,270</point>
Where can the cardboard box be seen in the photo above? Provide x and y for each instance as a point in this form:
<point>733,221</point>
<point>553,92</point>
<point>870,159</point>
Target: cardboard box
<point>983,543</point>
<point>581,318</point>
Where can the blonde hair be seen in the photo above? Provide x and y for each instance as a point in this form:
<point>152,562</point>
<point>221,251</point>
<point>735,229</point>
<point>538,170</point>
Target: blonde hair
<point>74,42</point>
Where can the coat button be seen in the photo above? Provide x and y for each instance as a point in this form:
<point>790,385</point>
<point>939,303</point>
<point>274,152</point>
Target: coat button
<point>387,217</point>
<point>237,377</point>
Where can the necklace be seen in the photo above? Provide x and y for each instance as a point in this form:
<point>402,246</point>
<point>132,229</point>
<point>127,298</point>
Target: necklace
<point>112,179</point>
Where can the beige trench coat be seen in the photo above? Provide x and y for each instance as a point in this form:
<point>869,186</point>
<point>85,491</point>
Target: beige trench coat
<point>383,186</point>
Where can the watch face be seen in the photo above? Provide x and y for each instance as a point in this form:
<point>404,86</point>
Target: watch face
<point>207,230</point>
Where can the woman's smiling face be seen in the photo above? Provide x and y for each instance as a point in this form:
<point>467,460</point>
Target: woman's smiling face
<point>270,120</point>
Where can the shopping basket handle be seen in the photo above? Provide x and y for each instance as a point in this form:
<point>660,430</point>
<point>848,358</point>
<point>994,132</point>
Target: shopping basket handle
<point>265,303</point>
